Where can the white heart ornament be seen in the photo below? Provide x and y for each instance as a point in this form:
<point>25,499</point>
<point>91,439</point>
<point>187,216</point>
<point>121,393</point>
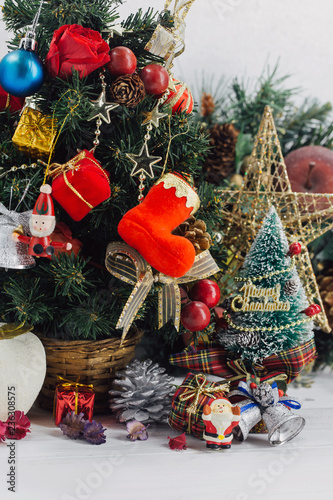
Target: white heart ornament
<point>22,372</point>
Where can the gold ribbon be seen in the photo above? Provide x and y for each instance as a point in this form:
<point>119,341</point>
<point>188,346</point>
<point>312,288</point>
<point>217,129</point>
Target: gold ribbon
<point>169,43</point>
<point>7,101</point>
<point>127,264</point>
<point>199,391</point>
<point>56,169</point>
<point>238,367</point>
<point>66,383</point>
<point>11,330</point>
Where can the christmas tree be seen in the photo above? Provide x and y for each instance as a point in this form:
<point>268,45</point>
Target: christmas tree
<point>270,313</point>
<point>106,113</point>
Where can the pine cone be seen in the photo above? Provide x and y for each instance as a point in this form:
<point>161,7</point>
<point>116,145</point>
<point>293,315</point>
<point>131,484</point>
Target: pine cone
<point>207,104</point>
<point>325,285</point>
<point>128,90</point>
<point>195,231</point>
<point>291,286</point>
<point>142,392</point>
<point>248,339</point>
<point>220,163</point>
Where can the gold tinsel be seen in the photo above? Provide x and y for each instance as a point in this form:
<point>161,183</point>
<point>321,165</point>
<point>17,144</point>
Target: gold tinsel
<point>304,216</point>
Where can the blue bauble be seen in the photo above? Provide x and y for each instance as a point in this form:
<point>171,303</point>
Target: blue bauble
<point>21,73</point>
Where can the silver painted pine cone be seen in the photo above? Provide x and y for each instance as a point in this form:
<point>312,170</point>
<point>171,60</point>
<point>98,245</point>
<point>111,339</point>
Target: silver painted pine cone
<point>142,391</point>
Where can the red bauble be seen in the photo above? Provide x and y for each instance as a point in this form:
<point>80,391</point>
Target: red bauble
<point>253,385</point>
<point>181,100</point>
<point>195,316</point>
<point>312,310</point>
<point>317,307</point>
<point>281,393</point>
<point>122,61</point>
<point>294,249</point>
<point>155,79</point>
<point>206,291</point>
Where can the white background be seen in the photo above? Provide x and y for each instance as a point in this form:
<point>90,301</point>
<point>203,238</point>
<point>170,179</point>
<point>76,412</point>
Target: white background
<point>236,38</point>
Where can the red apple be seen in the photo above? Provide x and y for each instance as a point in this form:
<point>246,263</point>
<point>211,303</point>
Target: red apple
<point>155,79</point>
<point>206,291</point>
<point>122,61</point>
<point>195,316</point>
<point>310,170</point>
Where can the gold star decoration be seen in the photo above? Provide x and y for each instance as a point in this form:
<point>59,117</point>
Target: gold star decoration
<point>153,117</point>
<point>304,216</point>
<point>143,162</point>
<point>101,108</point>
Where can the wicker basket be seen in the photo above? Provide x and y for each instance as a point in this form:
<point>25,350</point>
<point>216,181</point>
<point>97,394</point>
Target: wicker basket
<point>94,362</point>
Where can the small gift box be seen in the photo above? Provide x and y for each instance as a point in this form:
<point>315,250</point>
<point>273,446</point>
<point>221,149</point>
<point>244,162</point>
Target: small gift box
<point>80,184</point>
<point>35,133</point>
<point>188,402</point>
<point>72,396</point>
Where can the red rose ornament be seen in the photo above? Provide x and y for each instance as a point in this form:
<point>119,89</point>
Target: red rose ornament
<point>74,47</point>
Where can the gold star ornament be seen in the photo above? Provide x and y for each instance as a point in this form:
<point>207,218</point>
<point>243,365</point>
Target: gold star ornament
<point>153,117</point>
<point>304,216</point>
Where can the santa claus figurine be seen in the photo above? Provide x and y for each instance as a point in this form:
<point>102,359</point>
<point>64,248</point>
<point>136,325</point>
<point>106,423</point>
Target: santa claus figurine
<point>41,224</point>
<point>219,417</point>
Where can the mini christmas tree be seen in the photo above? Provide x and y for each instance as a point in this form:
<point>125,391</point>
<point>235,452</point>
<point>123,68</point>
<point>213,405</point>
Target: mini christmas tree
<point>270,312</point>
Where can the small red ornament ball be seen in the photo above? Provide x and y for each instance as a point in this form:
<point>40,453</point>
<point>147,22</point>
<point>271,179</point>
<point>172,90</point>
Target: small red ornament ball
<point>155,79</point>
<point>195,316</point>
<point>181,100</point>
<point>281,393</point>
<point>294,249</point>
<point>122,61</point>
<point>312,310</point>
<point>206,291</point>
<point>253,385</point>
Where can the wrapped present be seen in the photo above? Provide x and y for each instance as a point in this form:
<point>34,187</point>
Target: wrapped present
<point>35,133</point>
<point>72,396</point>
<point>80,184</point>
<point>188,402</point>
<point>213,359</point>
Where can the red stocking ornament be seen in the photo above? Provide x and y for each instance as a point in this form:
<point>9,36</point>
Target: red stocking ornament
<point>148,226</point>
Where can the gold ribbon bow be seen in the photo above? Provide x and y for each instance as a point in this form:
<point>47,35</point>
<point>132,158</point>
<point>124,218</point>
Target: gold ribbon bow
<point>169,43</point>
<point>238,367</point>
<point>199,391</point>
<point>66,383</point>
<point>11,330</point>
<point>56,169</point>
<point>127,264</point>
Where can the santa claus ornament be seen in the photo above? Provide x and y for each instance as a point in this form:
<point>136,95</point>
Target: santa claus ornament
<point>41,224</point>
<point>220,417</point>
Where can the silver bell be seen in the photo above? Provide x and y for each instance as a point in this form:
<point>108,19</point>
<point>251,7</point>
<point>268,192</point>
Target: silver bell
<point>282,424</point>
<point>249,418</point>
<point>14,255</point>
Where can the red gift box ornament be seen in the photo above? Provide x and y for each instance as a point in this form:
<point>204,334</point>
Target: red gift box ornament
<point>73,396</point>
<point>80,184</point>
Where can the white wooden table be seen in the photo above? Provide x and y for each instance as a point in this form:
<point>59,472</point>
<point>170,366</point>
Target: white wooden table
<point>53,467</point>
